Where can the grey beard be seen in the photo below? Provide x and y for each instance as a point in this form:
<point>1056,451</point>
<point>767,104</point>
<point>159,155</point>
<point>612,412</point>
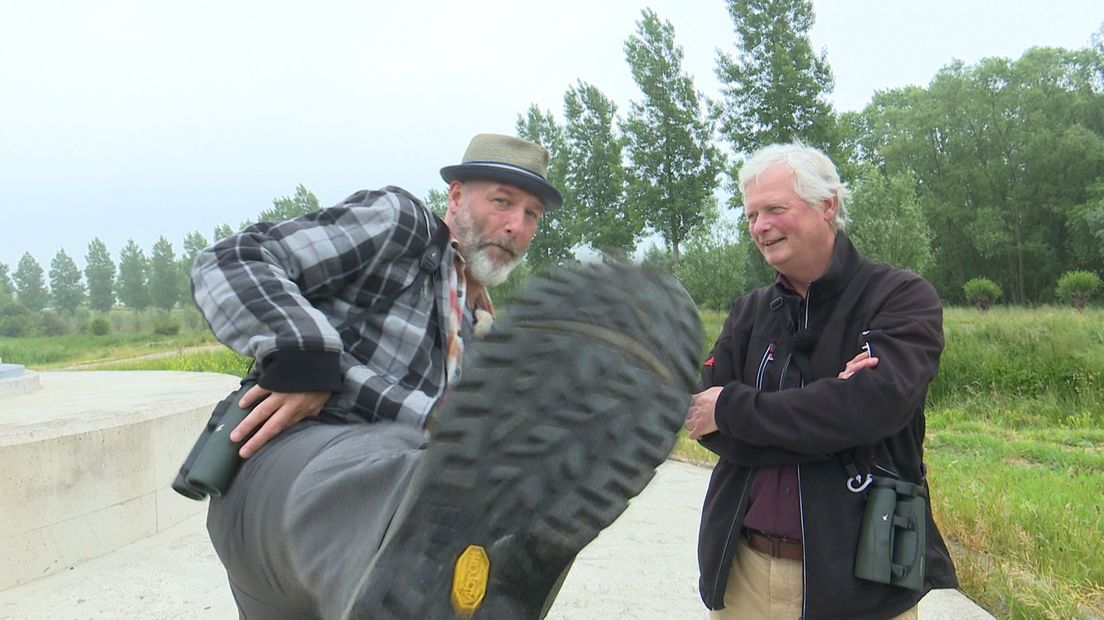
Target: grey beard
<point>486,271</point>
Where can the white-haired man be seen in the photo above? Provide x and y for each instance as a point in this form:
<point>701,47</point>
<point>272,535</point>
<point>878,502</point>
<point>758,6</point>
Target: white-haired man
<point>379,483</point>
<point>813,396</point>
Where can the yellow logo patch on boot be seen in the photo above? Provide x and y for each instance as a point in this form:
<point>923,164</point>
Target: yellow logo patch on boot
<point>469,580</point>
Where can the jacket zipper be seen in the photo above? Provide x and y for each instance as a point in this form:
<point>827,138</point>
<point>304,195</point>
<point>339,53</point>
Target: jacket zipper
<point>888,471</point>
<point>768,357</point>
<point>728,541</point>
<point>804,560</point>
<point>785,369</point>
<point>801,500</point>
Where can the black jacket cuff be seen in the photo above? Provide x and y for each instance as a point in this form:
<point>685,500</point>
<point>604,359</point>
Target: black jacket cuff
<point>293,370</point>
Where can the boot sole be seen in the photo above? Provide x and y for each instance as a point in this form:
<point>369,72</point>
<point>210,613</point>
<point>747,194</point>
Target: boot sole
<point>562,415</point>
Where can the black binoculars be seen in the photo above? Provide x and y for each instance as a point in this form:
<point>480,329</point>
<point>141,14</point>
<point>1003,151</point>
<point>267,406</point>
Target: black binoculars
<point>213,460</point>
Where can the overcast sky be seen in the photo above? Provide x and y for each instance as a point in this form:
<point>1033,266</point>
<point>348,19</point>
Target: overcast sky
<point>135,119</point>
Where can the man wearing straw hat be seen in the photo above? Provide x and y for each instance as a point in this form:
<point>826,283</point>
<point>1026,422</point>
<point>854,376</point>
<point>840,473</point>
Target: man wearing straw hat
<point>378,484</point>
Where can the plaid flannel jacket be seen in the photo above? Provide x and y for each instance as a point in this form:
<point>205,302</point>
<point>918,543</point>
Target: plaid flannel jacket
<point>294,296</point>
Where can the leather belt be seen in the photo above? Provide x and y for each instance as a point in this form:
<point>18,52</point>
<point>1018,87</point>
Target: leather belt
<point>773,546</point>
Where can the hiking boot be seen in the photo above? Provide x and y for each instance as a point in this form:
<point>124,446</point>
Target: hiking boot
<point>561,416</point>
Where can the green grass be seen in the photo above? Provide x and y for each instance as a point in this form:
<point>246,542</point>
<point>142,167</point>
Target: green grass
<point>131,334</point>
<point>222,360</point>
<point>1024,367</point>
<point>1023,507</point>
<point>689,451</point>
<point>712,321</point>
<point>50,352</point>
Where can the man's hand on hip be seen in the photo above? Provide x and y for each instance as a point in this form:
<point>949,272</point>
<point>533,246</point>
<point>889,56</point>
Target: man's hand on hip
<point>274,413</point>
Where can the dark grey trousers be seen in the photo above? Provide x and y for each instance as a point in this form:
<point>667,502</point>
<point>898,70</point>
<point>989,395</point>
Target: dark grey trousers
<point>305,515</point>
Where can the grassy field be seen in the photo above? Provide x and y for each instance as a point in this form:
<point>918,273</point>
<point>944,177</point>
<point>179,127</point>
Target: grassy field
<point>220,360</point>
<point>130,334</point>
<point>53,352</point>
<point>1015,445</point>
<point>1016,451</point>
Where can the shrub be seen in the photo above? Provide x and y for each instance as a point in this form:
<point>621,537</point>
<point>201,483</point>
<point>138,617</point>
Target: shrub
<point>192,319</point>
<point>712,275</point>
<point>16,321</point>
<point>166,327</point>
<point>50,324</point>
<point>657,257</point>
<point>116,319</point>
<point>982,292</point>
<point>15,326</point>
<point>1078,287</point>
<point>99,326</point>
<point>711,269</point>
<point>13,309</point>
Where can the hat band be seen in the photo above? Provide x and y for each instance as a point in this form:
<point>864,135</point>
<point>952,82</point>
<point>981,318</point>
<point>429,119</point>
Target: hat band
<point>504,166</point>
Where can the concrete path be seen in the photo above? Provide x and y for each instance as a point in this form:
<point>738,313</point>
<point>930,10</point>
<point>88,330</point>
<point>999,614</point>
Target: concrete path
<point>641,568</point>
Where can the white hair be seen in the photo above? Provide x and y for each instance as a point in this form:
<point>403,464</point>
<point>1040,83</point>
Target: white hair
<point>815,178</point>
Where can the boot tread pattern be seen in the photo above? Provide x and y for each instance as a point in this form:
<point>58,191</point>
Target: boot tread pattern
<point>562,416</point>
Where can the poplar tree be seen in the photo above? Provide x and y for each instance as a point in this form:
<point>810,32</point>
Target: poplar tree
<point>674,162</point>
<point>133,280</point>
<point>66,288</point>
<point>286,207</point>
<point>775,89</point>
<point>557,233</point>
<point>30,285</point>
<point>595,174</point>
<point>194,243</point>
<point>99,273</point>
<point>221,232</point>
<point>437,201</point>
<point>6,287</point>
<point>164,275</point>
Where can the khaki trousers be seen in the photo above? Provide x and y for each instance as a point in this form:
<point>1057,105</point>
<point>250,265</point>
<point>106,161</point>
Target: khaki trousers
<point>761,587</point>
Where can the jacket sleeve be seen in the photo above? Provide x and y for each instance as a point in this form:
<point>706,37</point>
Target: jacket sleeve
<point>830,414</point>
<point>255,288</point>
<point>724,365</point>
<point>745,454</point>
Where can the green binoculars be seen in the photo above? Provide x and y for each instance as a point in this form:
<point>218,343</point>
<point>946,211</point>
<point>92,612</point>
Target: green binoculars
<point>894,534</point>
<point>213,460</point>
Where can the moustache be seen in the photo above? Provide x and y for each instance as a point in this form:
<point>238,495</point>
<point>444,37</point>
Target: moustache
<point>504,244</point>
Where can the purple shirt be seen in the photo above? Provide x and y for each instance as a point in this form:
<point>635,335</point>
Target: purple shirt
<point>775,508</point>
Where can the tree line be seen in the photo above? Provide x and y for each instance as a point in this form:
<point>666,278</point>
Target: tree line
<point>993,170</point>
<point>137,281</point>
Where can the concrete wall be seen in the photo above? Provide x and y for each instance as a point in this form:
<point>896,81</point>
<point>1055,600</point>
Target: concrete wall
<point>14,380</point>
<point>87,460</point>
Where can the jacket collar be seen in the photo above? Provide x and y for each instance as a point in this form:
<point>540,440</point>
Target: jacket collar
<point>844,265</point>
